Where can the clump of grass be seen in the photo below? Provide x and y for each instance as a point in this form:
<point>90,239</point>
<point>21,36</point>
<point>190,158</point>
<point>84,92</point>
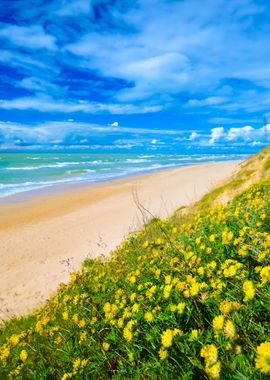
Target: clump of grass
<point>266,164</point>
<point>187,301</point>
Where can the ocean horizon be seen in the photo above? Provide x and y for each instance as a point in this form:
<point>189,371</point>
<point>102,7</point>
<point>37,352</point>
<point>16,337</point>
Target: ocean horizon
<point>24,172</point>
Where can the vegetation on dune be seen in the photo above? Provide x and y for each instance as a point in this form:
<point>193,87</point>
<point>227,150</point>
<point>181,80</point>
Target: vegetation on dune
<point>183,298</point>
<point>256,168</point>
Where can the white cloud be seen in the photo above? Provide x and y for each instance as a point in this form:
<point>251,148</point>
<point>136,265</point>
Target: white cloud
<point>216,134</point>
<point>68,132</point>
<point>114,124</point>
<point>171,53</point>
<point>28,37</point>
<point>193,136</point>
<point>210,101</point>
<point>74,7</point>
<point>249,134</point>
<point>44,103</point>
<point>245,133</point>
<point>40,85</point>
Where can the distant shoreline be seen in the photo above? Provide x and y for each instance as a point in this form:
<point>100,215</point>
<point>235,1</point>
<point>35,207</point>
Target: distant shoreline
<point>63,187</point>
<point>23,176</point>
<point>42,239</point>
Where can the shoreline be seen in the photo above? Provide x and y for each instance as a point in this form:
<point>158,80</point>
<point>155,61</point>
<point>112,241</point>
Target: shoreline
<point>44,238</point>
<point>55,188</point>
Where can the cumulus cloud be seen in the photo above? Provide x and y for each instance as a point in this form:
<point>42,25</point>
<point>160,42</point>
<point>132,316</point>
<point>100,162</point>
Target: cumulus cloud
<point>246,135</point>
<point>193,136</point>
<point>216,134</point>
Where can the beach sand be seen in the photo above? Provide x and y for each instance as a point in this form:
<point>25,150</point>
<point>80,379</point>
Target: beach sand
<point>43,238</point>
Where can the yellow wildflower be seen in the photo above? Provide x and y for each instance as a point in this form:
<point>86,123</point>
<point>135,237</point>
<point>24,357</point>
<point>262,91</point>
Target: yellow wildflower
<point>4,353</point>
<point>213,370</point>
<point>265,275</point>
<point>146,244</point>
<point>81,323</point>
<point>23,355</point>
<point>105,346</point>
<point>84,362</point>
<point>162,354</point>
<point>75,318</point>
<point>180,286</point>
<point>135,308</point>
<point>218,323</point>
<point>131,323</point>
<point>263,357</point>
<point>93,320</point>
<point>82,337</point>
<point>210,353</point>
<point>194,289</point>
<point>198,240</point>
<point>107,307</point>
<point>212,238</point>
<point>194,335</point>
<point>177,331</point>
<point>167,291</point>
<point>120,323</point>
<point>58,340</point>
<point>132,297</point>
<point>127,334</point>
<point>229,329</point>
<point>227,306</point>
<point>65,315</point>
<point>66,376</point>
<point>200,271</point>
<point>132,279</point>
<point>227,236</point>
<point>249,290</point>
<point>148,316</point>
<point>158,271</point>
<point>14,339</point>
<point>180,307</point>
<point>168,279</point>
<point>167,337</point>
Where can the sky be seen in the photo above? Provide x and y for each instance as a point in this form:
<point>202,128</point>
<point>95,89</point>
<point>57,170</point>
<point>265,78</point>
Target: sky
<point>170,75</point>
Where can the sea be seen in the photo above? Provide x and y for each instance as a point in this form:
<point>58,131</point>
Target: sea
<point>25,172</point>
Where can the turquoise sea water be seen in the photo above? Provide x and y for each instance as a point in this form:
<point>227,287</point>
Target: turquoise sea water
<point>21,172</point>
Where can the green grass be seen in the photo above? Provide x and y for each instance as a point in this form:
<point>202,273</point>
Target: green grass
<point>184,298</point>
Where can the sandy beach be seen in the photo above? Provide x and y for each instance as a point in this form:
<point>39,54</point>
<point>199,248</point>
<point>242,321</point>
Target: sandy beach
<point>43,238</point>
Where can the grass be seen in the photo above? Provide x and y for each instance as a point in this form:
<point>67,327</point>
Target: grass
<point>256,168</point>
<point>186,298</point>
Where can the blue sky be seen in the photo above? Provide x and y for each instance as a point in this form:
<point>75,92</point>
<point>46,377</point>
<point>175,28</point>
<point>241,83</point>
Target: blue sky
<point>146,75</point>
